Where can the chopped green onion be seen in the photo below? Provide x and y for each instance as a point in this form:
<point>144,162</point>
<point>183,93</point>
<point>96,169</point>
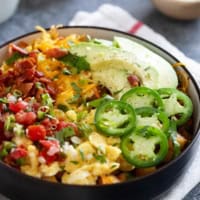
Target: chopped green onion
<point>100,158</point>
<point>38,85</point>
<point>21,161</point>
<point>82,155</point>
<point>97,102</point>
<point>85,129</point>
<point>48,101</point>
<point>15,56</point>
<point>42,111</point>
<point>18,129</point>
<point>62,107</point>
<point>6,147</point>
<point>9,123</point>
<point>3,100</point>
<point>74,162</point>
<point>17,93</point>
<point>66,72</point>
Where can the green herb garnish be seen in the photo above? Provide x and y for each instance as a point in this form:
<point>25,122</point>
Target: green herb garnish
<point>77,94</point>
<point>63,134</point>
<point>101,158</point>
<point>21,161</point>
<point>62,107</point>
<point>79,62</point>
<point>74,162</point>
<point>9,123</point>
<point>82,155</point>
<point>3,100</point>
<point>17,93</point>
<point>85,129</point>
<point>15,56</point>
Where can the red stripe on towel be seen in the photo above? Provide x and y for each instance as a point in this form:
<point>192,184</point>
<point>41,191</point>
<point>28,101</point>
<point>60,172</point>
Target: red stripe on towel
<point>135,27</point>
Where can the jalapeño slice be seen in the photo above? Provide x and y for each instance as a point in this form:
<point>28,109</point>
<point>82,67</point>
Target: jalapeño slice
<point>139,97</point>
<point>147,116</point>
<point>145,147</point>
<point>115,118</point>
<point>177,105</point>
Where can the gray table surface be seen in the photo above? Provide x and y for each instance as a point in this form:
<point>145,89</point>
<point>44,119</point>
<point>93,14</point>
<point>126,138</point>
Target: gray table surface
<point>184,34</point>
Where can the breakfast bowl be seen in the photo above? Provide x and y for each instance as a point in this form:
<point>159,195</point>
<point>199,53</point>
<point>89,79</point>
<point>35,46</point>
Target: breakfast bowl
<point>145,184</point>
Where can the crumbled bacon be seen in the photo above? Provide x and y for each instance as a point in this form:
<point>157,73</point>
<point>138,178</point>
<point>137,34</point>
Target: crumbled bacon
<point>133,80</point>
<point>14,48</point>
<point>25,88</point>
<point>38,74</point>
<point>56,53</point>
<point>33,54</point>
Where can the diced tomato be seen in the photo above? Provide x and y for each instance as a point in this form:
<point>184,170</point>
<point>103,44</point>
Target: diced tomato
<point>18,153</point>
<point>25,118</point>
<point>48,159</point>
<point>36,132</point>
<point>36,106</point>
<point>18,106</point>
<point>50,125</point>
<point>63,124</point>
<point>48,143</point>
<point>52,146</point>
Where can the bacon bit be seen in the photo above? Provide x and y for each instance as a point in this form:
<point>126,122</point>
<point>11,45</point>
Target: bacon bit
<point>33,54</point>
<point>25,67</point>
<point>45,80</point>
<point>14,48</point>
<point>26,63</point>
<point>96,93</point>
<point>22,44</point>
<point>51,89</point>
<point>56,53</point>
<point>133,80</point>
<point>2,90</point>
<point>38,74</point>
<point>25,88</point>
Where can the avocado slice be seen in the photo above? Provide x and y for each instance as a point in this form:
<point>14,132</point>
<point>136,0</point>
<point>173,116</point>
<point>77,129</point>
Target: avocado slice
<point>150,61</point>
<point>110,66</point>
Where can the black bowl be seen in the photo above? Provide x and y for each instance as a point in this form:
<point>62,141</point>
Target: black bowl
<point>16,185</point>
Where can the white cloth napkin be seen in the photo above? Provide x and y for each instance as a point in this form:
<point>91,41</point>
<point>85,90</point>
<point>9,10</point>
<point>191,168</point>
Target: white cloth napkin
<point>111,16</point>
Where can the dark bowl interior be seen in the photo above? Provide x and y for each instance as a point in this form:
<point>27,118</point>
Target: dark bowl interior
<point>16,185</point>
